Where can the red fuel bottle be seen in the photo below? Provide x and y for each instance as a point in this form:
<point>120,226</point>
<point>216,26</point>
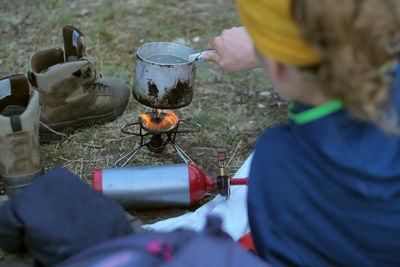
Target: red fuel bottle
<point>178,185</point>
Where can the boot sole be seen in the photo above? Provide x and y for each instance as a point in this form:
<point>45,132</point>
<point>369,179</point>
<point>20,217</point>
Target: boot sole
<point>67,128</point>
<point>14,184</point>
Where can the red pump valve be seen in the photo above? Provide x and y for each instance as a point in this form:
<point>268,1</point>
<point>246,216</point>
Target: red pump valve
<point>221,155</point>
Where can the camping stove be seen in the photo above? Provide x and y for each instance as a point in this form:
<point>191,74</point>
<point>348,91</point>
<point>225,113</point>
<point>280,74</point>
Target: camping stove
<point>156,129</point>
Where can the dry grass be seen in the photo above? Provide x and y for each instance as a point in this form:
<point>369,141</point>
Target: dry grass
<point>233,108</point>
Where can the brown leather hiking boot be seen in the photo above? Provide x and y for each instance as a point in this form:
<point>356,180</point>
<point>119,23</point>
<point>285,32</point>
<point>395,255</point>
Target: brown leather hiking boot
<point>19,133</point>
<point>72,93</point>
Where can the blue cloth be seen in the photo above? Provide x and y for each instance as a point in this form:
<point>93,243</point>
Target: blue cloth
<point>57,216</point>
<point>326,193</point>
<point>211,247</point>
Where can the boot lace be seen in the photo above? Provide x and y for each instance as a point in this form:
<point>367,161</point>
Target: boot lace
<point>93,77</point>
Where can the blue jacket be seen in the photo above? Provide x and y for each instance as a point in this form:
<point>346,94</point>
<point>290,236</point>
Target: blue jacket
<point>326,193</point>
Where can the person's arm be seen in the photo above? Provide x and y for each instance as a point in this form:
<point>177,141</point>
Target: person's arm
<point>234,50</point>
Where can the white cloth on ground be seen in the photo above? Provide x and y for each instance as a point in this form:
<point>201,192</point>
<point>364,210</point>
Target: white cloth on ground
<point>233,211</point>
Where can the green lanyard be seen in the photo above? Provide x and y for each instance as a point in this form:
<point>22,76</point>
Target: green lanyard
<point>315,112</point>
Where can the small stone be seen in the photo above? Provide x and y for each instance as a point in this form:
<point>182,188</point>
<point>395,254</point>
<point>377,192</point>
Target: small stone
<point>83,12</point>
<point>179,40</point>
<point>15,20</point>
<point>95,4</point>
<point>260,105</point>
<point>250,92</point>
<point>265,93</point>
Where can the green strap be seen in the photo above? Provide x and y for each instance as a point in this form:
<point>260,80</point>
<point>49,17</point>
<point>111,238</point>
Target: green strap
<point>315,112</point>
<point>384,68</point>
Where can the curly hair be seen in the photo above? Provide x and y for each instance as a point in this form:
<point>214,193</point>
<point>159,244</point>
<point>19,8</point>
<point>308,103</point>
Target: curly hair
<point>357,40</point>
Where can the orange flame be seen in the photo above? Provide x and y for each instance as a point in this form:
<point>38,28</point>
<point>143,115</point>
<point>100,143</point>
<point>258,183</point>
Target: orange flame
<point>159,121</point>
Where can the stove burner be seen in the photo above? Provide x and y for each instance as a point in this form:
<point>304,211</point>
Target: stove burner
<point>156,130</point>
<point>159,122</point>
<point>156,143</point>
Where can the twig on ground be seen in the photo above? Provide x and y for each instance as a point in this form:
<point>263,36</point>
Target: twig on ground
<point>234,152</point>
<point>51,130</point>
<point>79,160</point>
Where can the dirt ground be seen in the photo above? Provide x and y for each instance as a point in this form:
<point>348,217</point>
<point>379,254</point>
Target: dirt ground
<point>233,108</point>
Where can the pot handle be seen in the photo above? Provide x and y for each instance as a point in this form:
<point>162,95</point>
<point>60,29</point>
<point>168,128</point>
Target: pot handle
<point>198,59</point>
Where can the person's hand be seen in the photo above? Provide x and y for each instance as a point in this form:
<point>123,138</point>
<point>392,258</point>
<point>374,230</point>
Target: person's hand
<point>234,50</point>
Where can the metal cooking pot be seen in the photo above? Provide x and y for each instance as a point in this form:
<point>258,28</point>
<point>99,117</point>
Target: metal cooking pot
<point>164,76</point>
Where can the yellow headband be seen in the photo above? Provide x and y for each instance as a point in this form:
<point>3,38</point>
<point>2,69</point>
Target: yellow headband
<point>275,33</point>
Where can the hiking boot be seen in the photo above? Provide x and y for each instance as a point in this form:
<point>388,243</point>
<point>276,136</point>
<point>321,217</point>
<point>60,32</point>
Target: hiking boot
<point>19,133</point>
<point>72,93</point>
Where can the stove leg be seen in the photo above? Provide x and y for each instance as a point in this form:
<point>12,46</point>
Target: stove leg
<point>127,155</point>
<point>182,154</point>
